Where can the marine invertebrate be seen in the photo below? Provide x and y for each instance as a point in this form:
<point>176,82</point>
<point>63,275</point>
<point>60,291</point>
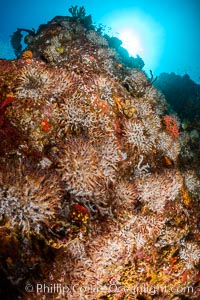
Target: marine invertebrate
<point>33,81</point>
<point>168,146</point>
<point>30,199</point>
<point>161,103</point>
<point>125,195</point>
<point>45,125</point>
<point>128,109</point>
<point>168,162</point>
<point>111,155</point>
<point>186,197</point>
<point>10,137</point>
<point>157,189</point>
<point>194,135</point>
<point>37,118</point>
<point>79,164</point>
<point>27,54</point>
<point>79,213</point>
<point>77,12</point>
<point>39,115</point>
<point>79,116</point>
<point>37,81</point>
<point>105,255</point>
<point>174,151</point>
<point>190,254</point>
<point>76,115</point>
<point>63,83</point>
<point>103,86</point>
<point>96,38</point>
<point>138,135</point>
<point>171,126</point>
<point>52,55</point>
<point>143,109</point>
<point>9,99</point>
<point>100,257</point>
<point>141,169</point>
<point>184,138</point>
<point>192,182</point>
<point>142,127</point>
<point>136,82</point>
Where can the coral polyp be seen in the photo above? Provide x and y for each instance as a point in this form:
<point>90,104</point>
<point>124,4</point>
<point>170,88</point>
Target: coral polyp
<point>125,195</point>
<point>157,189</point>
<point>30,199</point>
<point>79,164</point>
<point>32,82</point>
<point>36,81</point>
<point>138,136</point>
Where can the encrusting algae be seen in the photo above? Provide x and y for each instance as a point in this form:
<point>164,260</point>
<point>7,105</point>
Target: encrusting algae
<point>95,194</point>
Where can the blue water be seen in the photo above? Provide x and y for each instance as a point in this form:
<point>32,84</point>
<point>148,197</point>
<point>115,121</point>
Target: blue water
<point>167,32</point>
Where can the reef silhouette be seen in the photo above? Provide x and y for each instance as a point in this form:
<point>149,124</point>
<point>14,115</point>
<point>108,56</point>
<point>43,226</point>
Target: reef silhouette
<point>182,94</point>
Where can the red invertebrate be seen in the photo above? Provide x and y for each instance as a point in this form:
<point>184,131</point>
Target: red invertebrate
<point>9,136</point>
<point>80,208</point>
<point>171,126</point>
<point>117,126</point>
<point>184,276</point>
<point>45,126</point>
<point>7,101</point>
<point>79,213</point>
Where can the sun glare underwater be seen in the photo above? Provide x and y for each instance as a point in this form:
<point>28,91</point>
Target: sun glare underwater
<point>140,33</point>
<point>164,35</point>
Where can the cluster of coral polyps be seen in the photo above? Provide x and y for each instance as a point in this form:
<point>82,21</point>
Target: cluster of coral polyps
<point>95,201</point>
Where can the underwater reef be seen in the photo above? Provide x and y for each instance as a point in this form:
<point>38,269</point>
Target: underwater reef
<point>99,183</point>
<point>183,95</point>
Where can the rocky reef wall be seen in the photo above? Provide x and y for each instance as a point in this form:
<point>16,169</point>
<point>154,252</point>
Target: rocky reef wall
<point>97,196</point>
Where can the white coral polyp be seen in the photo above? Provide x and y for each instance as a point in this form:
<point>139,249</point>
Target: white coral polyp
<point>27,215</point>
<point>157,188</point>
<point>168,146</point>
<point>137,135</point>
<point>190,254</point>
<point>192,183</point>
<point>32,82</point>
